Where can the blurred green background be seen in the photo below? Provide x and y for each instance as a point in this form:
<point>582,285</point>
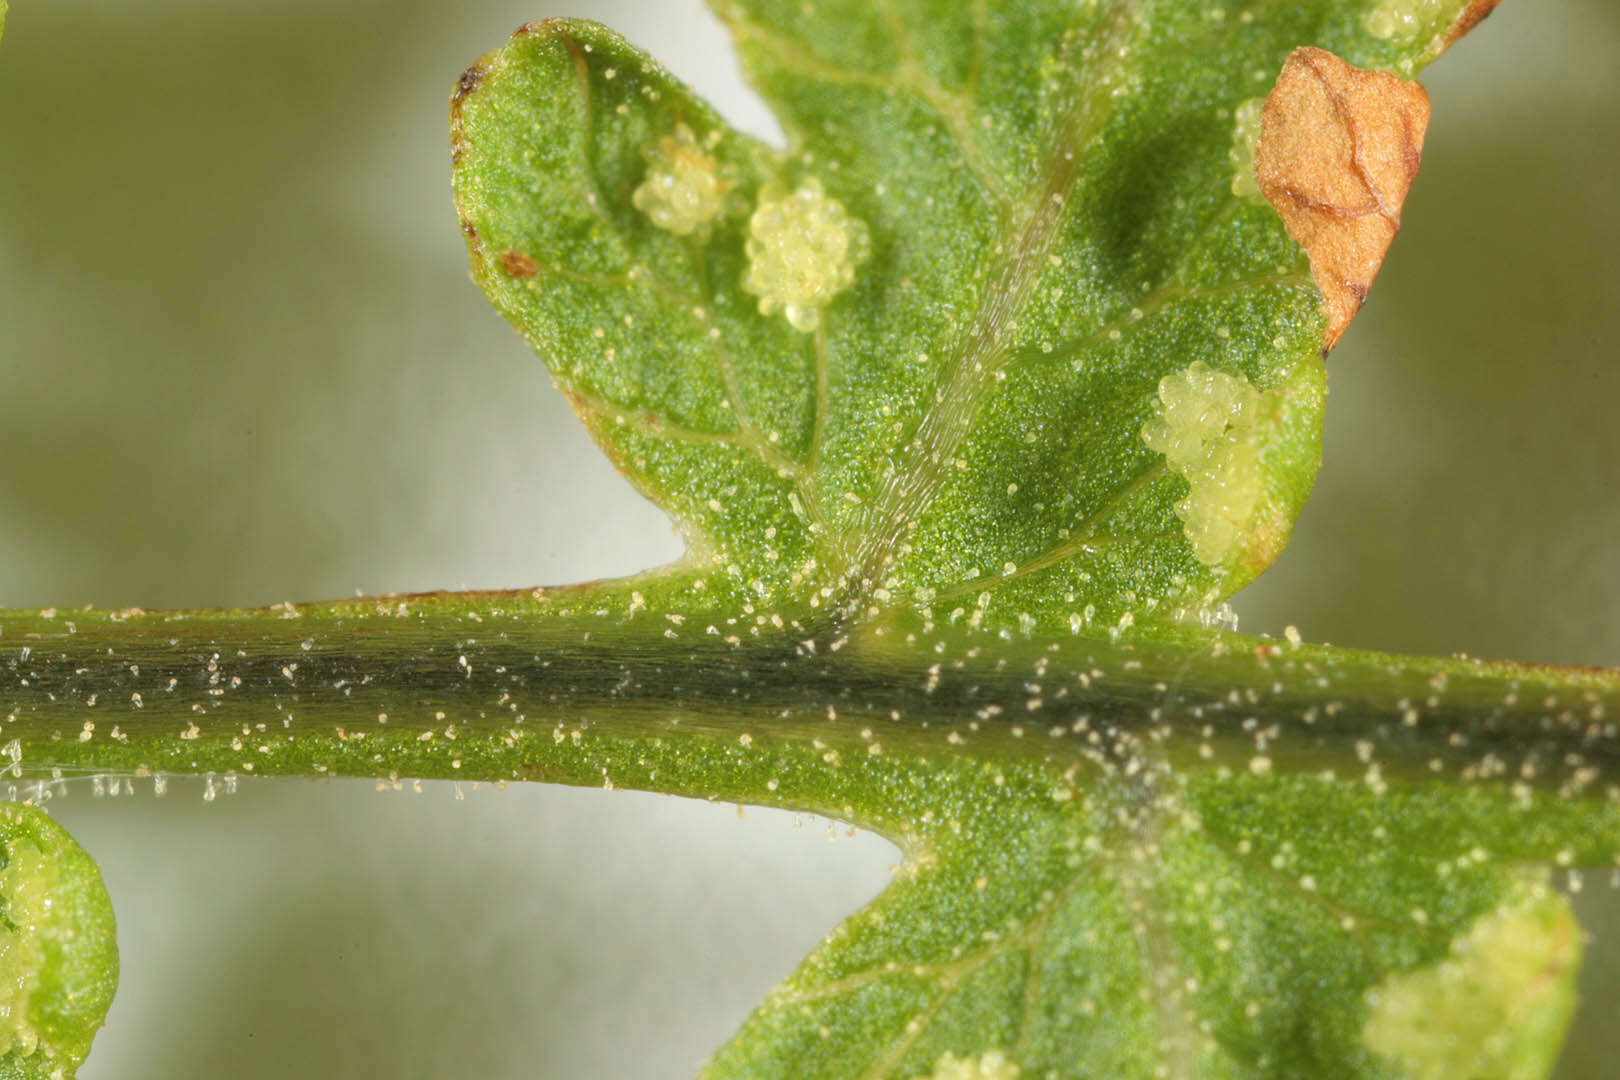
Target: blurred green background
<point>241,362</point>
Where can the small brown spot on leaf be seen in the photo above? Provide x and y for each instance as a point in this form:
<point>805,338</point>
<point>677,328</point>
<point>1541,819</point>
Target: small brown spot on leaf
<point>519,265</point>
<point>1268,537</point>
<point>1471,17</point>
<point>541,26</point>
<point>475,242</point>
<point>1339,149</point>
<point>538,26</point>
<point>469,81</point>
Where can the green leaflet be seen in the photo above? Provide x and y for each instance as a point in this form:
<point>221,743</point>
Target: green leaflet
<point>1172,907</point>
<point>58,954</point>
<point>1033,256</point>
<point>1050,236</point>
<point>1207,946</point>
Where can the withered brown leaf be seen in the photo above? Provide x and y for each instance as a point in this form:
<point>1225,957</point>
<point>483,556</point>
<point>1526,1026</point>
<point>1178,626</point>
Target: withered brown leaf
<point>1339,149</point>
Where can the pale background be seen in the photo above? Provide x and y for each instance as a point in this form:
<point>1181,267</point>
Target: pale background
<point>240,362</point>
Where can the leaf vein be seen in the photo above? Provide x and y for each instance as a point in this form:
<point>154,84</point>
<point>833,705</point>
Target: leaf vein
<point>1155,303</point>
<point>954,110</point>
<point>942,430</point>
<point>748,430</point>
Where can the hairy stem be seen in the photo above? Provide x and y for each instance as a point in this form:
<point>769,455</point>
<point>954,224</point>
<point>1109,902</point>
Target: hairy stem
<point>497,686</point>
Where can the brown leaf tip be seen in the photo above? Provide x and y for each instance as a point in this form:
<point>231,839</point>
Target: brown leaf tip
<point>1471,17</point>
<point>1339,149</point>
<point>519,265</point>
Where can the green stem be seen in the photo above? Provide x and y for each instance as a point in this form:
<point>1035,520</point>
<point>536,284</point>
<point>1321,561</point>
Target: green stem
<point>501,686</point>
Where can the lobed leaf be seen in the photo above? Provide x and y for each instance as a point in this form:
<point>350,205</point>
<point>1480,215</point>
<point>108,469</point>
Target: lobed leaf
<point>1054,367</point>
<point>1060,216</point>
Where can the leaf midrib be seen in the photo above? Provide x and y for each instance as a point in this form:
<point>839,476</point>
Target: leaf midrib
<point>972,370</point>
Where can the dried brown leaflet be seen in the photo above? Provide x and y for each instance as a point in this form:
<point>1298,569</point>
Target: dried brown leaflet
<point>1339,149</point>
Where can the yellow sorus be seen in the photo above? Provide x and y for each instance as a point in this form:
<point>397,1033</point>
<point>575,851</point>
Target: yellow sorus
<point>1494,1006</point>
<point>684,189</point>
<point>803,248</point>
<point>1204,425</point>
